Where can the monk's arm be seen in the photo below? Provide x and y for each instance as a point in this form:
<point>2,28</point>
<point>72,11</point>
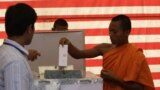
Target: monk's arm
<point>97,50</point>
<point>86,53</point>
<point>110,78</point>
<point>77,53</point>
<point>132,86</point>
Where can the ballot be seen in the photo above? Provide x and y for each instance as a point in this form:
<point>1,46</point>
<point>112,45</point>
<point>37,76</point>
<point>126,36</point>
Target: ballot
<point>63,55</point>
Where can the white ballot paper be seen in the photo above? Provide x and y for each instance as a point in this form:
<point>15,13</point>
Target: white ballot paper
<point>63,55</point>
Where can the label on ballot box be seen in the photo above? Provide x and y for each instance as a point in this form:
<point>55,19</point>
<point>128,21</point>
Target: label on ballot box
<point>60,74</point>
<point>63,55</point>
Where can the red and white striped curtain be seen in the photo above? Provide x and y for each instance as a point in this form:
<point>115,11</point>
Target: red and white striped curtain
<point>93,16</point>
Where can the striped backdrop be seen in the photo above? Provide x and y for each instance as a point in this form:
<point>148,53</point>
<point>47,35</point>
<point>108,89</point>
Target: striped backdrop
<point>93,16</point>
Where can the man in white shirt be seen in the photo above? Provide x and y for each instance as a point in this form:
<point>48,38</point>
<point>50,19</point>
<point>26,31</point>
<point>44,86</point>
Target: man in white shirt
<point>15,73</point>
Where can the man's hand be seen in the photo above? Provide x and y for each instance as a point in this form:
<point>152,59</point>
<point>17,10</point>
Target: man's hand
<point>33,54</point>
<point>126,85</point>
<point>109,77</point>
<point>64,41</point>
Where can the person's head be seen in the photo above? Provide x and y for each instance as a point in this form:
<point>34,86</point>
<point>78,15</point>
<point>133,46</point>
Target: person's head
<point>119,29</point>
<point>60,25</point>
<point>19,22</point>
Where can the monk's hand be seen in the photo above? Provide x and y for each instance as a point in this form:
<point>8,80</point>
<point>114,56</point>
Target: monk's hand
<point>113,80</point>
<point>108,76</point>
<point>64,41</point>
<point>33,54</point>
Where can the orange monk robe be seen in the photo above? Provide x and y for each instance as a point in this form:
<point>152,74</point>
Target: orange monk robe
<point>128,63</point>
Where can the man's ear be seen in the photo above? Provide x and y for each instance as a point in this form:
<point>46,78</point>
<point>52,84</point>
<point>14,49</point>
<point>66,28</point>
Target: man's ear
<point>30,29</point>
<point>127,32</point>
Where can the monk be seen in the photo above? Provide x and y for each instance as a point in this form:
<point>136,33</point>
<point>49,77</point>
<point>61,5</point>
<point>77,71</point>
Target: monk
<point>124,65</point>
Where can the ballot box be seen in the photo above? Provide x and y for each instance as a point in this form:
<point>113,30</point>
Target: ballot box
<point>47,43</point>
<point>87,83</point>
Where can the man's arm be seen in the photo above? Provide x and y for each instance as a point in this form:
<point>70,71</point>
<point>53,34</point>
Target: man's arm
<point>133,86</point>
<point>15,77</point>
<point>113,80</point>
<point>86,53</point>
<point>99,49</point>
<point>76,53</point>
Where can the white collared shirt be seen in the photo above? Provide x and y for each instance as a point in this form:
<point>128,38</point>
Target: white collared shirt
<point>15,73</point>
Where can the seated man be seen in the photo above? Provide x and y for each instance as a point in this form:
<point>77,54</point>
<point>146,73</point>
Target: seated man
<point>60,25</point>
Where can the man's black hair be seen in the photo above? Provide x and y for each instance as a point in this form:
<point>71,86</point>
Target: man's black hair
<point>17,19</point>
<point>60,22</point>
<point>125,21</point>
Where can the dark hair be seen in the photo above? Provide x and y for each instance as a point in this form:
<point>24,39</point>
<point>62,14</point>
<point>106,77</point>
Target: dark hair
<point>125,21</point>
<point>17,19</point>
<point>60,22</point>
